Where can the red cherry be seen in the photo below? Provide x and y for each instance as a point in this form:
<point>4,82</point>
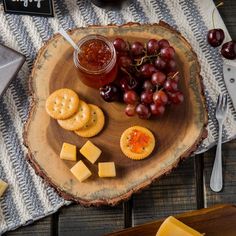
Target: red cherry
<point>228,50</point>
<point>215,37</point>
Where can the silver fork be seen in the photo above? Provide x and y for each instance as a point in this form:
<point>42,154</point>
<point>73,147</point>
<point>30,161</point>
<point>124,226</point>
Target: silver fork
<point>216,182</point>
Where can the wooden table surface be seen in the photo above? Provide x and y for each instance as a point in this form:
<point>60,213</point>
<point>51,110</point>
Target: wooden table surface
<point>186,188</point>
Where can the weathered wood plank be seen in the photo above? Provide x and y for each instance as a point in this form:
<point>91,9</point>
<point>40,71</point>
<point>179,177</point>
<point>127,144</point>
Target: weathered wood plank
<point>227,195</point>
<point>171,195</point>
<point>228,13</point>
<point>42,227</point>
<point>77,220</point>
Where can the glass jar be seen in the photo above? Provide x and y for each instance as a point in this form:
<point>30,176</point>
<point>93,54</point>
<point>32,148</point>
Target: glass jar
<point>95,61</point>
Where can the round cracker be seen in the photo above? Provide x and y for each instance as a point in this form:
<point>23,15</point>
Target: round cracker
<point>78,120</point>
<point>95,123</point>
<point>62,104</point>
<point>143,145</point>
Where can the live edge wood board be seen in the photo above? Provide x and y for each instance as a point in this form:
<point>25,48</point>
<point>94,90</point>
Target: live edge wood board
<point>177,133</point>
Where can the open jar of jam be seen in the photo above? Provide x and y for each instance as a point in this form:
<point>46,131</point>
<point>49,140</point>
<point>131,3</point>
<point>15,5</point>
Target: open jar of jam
<point>95,61</point>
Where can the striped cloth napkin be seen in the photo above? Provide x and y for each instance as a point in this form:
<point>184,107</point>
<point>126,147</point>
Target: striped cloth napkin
<point>28,198</point>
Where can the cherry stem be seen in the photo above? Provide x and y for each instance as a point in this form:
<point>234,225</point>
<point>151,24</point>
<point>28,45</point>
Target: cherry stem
<point>212,16</point>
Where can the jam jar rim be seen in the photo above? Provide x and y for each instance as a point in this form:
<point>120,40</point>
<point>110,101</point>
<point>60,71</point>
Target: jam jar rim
<point>110,65</point>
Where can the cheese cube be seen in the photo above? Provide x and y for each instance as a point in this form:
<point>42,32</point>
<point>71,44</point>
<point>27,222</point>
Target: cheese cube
<point>3,187</point>
<point>90,151</point>
<point>68,152</point>
<point>171,226</point>
<point>80,171</point>
<point>106,169</point>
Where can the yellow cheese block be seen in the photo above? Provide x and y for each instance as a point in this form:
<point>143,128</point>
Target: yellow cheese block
<point>106,169</point>
<point>90,151</point>
<point>68,152</point>
<point>173,227</point>
<point>3,187</point>
<point>80,171</point>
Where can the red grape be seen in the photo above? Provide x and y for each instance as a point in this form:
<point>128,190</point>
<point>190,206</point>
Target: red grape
<point>160,98</point>
<point>130,97</point>
<point>143,111</point>
<point>147,70</point>
<point>171,66</point>
<point>124,61</point>
<point>160,64</point>
<point>177,97</point>
<point>158,78</point>
<point>148,86</point>
<point>152,47</point>
<point>157,110</point>
<point>167,53</point>
<point>163,43</point>
<point>146,97</point>
<point>137,48</point>
<point>120,45</point>
<point>171,85</point>
<point>130,110</point>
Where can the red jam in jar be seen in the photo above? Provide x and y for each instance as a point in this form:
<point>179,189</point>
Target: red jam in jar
<point>95,61</point>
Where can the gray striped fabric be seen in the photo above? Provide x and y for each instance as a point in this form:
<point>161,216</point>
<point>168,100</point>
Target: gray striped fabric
<point>27,197</point>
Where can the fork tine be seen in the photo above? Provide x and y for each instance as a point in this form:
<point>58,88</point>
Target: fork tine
<point>218,101</point>
<point>225,102</point>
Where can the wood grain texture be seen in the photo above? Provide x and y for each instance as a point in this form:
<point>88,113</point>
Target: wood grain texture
<point>172,194</point>
<point>42,227</point>
<point>54,69</point>
<point>228,13</point>
<point>77,220</point>
<point>227,195</point>
<point>217,221</point>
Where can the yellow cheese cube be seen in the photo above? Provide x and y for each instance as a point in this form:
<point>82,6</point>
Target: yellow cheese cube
<point>68,152</point>
<point>90,151</point>
<point>3,187</point>
<point>106,169</point>
<point>171,226</point>
<point>80,171</point>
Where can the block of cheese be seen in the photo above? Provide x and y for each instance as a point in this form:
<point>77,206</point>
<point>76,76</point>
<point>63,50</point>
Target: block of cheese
<point>3,187</point>
<point>171,226</point>
<point>80,171</point>
<point>90,151</point>
<point>68,152</point>
<point>106,169</point>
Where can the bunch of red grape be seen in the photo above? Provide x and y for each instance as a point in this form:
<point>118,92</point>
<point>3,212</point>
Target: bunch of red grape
<point>147,79</point>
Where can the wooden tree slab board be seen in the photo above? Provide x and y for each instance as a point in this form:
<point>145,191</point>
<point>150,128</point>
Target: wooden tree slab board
<point>177,133</point>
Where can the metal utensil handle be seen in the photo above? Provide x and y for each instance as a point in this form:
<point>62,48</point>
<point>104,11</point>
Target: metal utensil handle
<point>68,38</point>
<point>216,182</point>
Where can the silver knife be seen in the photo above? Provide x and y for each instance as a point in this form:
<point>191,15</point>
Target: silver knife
<point>229,71</point>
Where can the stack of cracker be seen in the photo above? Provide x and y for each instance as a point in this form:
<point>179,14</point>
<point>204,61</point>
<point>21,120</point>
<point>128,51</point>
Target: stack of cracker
<point>73,114</point>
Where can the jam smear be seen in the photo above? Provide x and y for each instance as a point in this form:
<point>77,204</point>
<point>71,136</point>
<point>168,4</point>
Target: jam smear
<point>95,55</point>
<point>138,141</point>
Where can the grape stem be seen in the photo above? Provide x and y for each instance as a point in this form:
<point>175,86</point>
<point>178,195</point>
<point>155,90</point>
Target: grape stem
<point>124,70</point>
<point>212,16</point>
<point>140,61</point>
<point>175,75</point>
